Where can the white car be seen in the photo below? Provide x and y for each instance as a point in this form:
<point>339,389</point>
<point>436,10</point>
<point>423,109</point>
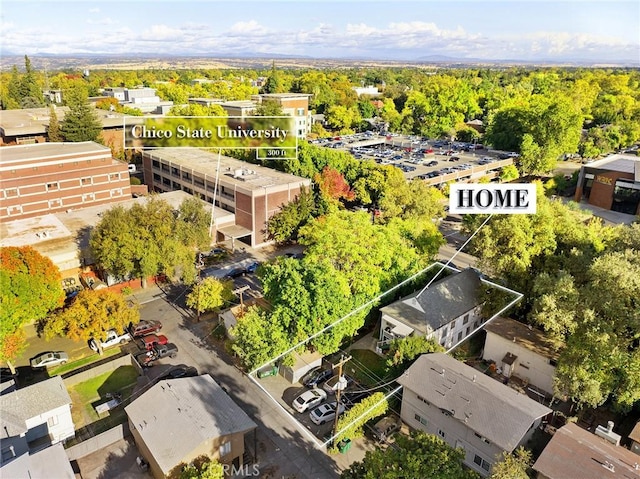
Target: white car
<point>309,399</point>
<point>325,412</point>
<point>48,359</point>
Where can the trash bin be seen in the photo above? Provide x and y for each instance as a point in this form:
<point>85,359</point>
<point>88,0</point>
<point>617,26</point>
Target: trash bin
<point>344,445</point>
<point>268,371</point>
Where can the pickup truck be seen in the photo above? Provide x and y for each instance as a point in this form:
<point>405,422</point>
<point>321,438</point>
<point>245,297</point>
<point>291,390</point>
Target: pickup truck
<point>159,351</point>
<point>112,338</point>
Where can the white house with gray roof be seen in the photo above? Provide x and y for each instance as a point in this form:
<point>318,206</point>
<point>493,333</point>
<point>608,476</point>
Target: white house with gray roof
<point>447,312</point>
<point>33,423</point>
<point>180,419</point>
<point>467,409</point>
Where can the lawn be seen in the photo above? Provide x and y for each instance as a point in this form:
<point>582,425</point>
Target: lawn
<point>65,368</point>
<point>88,394</point>
<point>366,366</point>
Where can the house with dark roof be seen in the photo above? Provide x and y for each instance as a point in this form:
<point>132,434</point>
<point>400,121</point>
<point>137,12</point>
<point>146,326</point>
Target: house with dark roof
<point>521,351</point>
<point>447,311</point>
<point>575,452</point>
<point>467,409</point>
<point>634,437</point>
<point>178,420</point>
<point>33,423</point>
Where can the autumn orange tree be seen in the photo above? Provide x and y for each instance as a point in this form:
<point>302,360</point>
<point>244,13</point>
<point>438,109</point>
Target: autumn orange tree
<point>91,315</point>
<point>333,186</point>
<point>30,287</point>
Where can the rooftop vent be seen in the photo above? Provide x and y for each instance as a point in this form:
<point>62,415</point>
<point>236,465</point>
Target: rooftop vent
<point>607,434</point>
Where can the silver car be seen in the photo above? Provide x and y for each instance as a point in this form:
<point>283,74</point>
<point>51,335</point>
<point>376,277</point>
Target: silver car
<point>51,358</point>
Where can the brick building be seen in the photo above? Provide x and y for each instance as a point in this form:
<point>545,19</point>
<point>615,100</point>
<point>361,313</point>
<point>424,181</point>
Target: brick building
<point>252,193</point>
<point>612,183</point>
<point>50,177</point>
<point>292,104</point>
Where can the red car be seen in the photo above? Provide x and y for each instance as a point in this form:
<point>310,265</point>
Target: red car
<point>150,341</point>
<point>144,327</point>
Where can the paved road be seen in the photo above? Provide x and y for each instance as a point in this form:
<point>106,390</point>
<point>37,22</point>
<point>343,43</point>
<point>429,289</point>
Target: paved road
<point>282,449</point>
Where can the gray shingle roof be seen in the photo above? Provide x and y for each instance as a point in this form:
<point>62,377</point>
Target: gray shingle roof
<point>31,401</point>
<point>176,416</point>
<point>442,302</point>
<point>486,406</point>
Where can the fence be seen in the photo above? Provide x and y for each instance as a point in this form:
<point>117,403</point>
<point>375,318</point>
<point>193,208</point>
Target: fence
<point>98,442</point>
<point>93,371</point>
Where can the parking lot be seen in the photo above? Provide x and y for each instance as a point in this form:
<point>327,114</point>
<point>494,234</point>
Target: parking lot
<point>435,161</point>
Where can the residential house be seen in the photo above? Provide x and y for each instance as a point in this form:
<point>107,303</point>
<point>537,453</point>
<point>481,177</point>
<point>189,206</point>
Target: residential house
<point>634,437</point>
<point>467,409</point>
<point>448,311</point>
<point>33,422</point>
<point>521,351</point>
<point>178,420</point>
<point>576,453</point>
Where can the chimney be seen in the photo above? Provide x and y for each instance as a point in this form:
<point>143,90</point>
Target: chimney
<point>610,426</point>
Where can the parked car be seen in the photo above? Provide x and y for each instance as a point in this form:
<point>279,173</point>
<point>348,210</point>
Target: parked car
<point>316,376</point>
<point>325,412</point>
<point>181,371</point>
<point>308,399</point>
<point>350,398</point>
<point>48,359</point>
<point>111,339</point>
<point>152,340</point>
<point>253,267</point>
<point>234,273</point>
<point>160,351</point>
<point>144,327</point>
<point>332,384</point>
<point>385,427</point>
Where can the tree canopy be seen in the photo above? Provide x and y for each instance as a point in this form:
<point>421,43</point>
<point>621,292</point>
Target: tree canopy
<point>81,122</point>
<point>31,289</point>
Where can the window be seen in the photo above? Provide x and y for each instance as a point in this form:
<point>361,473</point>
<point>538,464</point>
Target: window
<point>88,197</point>
<point>52,421</point>
<point>86,181</point>
<point>482,463</point>
<point>441,433</point>
<point>420,419</point>
<point>53,186</point>
<point>300,112</point>
<point>444,331</point>
<point>14,210</point>
<point>57,203</point>
<point>467,331</point>
<point>157,177</point>
<point>155,163</point>
<point>483,439</point>
<point>114,176</point>
<point>475,324</point>
<point>11,192</point>
<point>460,336</point>
<point>465,320</point>
<point>116,192</point>
<point>225,448</point>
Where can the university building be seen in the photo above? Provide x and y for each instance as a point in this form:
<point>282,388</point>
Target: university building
<point>252,193</point>
<point>612,183</point>
<point>44,178</point>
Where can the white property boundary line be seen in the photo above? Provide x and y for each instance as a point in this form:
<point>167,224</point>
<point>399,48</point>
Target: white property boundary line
<point>252,375</point>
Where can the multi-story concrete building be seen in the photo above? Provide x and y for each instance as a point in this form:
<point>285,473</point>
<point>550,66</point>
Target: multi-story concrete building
<point>142,98</point>
<point>51,177</point>
<point>252,192</point>
<point>292,104</point>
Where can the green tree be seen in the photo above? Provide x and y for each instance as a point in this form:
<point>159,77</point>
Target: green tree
<point>405,350</point>
<point>509,173</point>
<point>31,288</point>
<point>210,294</point>
<point>91,314</point>
<point>202,467</point>
<point>272,83</point>
<point>81,122</point>
<point>29,91</point>
<point>11,100</point>
<point>351,423</point>
<point>53,129</point>
<point>269,107</point>
<point>512,465</point>
<point>284,225</point>
<point>419,456</point>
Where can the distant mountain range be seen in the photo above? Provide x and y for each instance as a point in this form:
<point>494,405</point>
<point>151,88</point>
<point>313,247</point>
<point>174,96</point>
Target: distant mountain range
<point>240,60</point>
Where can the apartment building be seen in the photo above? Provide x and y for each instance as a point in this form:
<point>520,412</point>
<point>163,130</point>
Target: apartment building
<point>52,177</point>
<point>252,193</point>
<point>292,104</point>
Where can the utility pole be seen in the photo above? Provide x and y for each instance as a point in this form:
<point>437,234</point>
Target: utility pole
<point>198,284</point>
<point>339,387</point>
<point>239,292</point>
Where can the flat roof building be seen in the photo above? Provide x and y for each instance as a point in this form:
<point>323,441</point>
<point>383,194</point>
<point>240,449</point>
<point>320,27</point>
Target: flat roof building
<point>612,183</point>
<point>50,177</point>
<point>253,193</point>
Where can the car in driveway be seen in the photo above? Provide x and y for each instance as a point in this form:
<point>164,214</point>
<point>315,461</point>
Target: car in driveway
<point>234,273</point>
<point>150,341</point>
<point>48,359</point>
<point>253,267</point>
<point>331,385</point>
<point>308,399</point>
<point>181,371</point>
<point>385,427</point>
<point>325,412</point>
<point>144,327</point>
<point>316,376</point>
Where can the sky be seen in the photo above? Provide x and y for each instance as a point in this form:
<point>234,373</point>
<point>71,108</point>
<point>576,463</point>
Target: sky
<point>541,30</point>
